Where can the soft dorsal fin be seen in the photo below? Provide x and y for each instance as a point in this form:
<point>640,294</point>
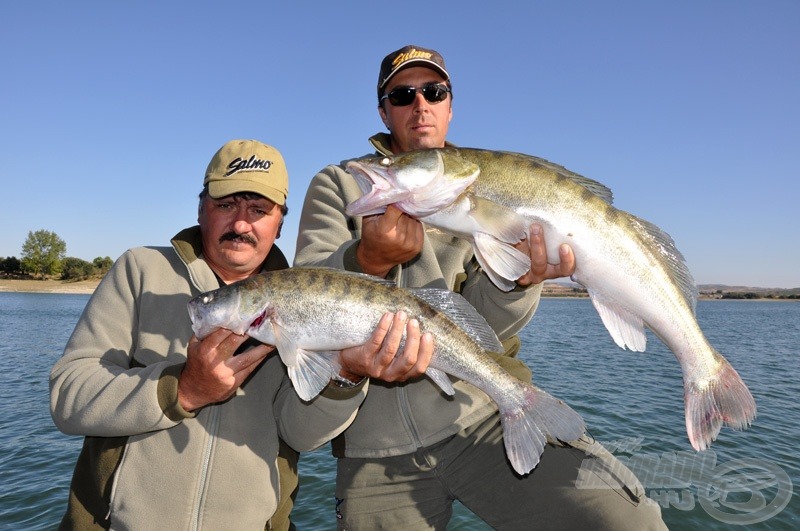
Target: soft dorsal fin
<point>675,263</point>
<point>597,188</point>
<point>463,314</point>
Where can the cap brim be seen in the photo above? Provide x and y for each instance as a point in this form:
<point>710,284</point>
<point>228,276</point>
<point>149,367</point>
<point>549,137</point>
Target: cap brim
<point>218,189</point>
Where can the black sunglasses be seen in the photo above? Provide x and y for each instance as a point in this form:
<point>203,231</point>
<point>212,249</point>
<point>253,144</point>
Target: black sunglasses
<point>403,95</point>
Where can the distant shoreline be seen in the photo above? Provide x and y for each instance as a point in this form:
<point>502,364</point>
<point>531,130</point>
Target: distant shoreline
<point>87,287</point>
<point>84,287</point>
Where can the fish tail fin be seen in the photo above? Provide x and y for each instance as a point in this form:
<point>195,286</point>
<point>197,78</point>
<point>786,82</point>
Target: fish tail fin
<point>525,428</point>
<point>724,399</point>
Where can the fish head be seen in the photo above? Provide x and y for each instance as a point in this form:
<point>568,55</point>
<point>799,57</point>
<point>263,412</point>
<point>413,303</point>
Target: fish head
<point>419,183</point>
<point>228,307</point>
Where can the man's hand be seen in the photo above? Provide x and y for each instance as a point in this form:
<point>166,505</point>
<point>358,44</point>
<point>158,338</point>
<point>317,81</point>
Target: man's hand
<point>212,373</point>
<point>380,357</point>
<point>540,269</point>
<point>388,239</point>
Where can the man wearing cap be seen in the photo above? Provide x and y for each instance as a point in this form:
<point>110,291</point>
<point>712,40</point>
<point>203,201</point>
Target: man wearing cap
<point>182,433</point>
<point>410,452</point>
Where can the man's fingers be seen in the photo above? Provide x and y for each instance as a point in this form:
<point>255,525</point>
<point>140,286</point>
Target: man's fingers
<point>541,270</point>
<point>566,267</point>
<point>377,337</point>
<point>537,250</point>
<point>247,361</point>
<point>391,343</point>
<point>425,353</point>
<point>222,342</point>
<point>405,361</point>
<point>392,215</point>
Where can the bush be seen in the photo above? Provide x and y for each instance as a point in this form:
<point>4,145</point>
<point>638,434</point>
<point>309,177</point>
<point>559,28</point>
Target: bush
<point>76,269</point>
<point>102,265</point>
<point>10,265</point>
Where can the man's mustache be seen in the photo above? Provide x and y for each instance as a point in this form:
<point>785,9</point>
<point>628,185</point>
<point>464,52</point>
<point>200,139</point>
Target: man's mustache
<point>243,238</point>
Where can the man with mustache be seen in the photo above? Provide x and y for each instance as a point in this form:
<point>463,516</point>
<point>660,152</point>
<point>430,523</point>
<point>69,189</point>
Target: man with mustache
<point>182,433</point>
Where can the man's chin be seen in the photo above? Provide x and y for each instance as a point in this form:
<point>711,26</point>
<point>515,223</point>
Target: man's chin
<point>424,142</point>
<point>238,256</point>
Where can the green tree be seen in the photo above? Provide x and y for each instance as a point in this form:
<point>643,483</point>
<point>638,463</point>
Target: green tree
<point>103,264</point>
<point>42,253</point>
<point>76,269</point>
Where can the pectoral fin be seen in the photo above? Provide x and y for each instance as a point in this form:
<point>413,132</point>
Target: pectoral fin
<point>309,371</point>
<point>503,263</point>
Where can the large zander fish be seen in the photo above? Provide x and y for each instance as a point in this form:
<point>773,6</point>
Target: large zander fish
<point>631,269</point>
<point>310,314</point>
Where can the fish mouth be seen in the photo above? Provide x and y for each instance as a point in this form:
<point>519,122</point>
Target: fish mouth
<point>199,326</point>
<point>376,188</point>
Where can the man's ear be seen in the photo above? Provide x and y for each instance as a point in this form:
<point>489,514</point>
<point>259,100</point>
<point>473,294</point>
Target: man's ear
<point>384,118</point>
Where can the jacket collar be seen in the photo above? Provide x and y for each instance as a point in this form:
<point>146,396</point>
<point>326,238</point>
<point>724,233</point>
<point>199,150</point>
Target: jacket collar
<point>382,142</point>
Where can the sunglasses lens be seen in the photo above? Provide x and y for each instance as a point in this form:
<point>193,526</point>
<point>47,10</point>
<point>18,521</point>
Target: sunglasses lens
<point>434,93</point>
<point>402,96</point>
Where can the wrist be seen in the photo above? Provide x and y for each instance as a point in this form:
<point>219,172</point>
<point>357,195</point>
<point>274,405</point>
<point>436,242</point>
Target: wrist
<point>370,265</point>
<point>347,382</point>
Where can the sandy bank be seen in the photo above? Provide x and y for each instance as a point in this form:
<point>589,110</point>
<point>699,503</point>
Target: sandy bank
<point>48,286</point>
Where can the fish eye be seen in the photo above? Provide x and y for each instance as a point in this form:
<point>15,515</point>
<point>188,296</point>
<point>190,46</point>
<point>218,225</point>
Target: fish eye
<point>207,299</point>
<point>386,161</point>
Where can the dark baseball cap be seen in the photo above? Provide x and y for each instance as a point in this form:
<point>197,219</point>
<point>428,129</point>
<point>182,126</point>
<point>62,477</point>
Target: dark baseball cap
<point>409,56</point>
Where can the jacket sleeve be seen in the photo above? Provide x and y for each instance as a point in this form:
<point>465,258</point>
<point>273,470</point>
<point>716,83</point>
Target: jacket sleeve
<point>97,388</point>
<point>326,235</point>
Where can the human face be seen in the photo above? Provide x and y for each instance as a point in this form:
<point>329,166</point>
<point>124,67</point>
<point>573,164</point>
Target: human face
<point>237,234</point>
<point>422,124</point>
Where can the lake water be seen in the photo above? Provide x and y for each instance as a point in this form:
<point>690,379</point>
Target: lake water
<point>633,402</point>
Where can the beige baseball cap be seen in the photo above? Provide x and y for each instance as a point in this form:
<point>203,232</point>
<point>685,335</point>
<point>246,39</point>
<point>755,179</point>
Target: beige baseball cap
<point>248,166</point>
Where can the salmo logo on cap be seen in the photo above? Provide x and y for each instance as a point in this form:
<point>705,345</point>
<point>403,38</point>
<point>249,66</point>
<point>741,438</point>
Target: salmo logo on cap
<point>248,166</point>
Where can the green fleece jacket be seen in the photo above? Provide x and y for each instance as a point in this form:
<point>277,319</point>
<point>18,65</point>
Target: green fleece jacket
<point>146,463</point>
<point>397,419</point>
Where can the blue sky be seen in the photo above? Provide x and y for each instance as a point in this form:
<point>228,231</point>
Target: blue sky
<point>688,110</point>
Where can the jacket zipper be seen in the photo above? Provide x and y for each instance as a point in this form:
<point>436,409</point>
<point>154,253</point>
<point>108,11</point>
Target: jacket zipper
<point>402,396</point>
<point>213,426</point>
<point>115,482</point>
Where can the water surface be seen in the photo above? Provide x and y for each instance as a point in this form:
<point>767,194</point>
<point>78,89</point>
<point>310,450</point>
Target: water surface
<point>633,402</point>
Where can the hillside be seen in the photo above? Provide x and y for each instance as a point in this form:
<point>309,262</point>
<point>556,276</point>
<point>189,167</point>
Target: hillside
<point>558,288</point>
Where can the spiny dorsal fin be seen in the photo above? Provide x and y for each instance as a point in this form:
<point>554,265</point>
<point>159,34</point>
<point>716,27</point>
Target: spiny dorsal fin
<point>599,189</point>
